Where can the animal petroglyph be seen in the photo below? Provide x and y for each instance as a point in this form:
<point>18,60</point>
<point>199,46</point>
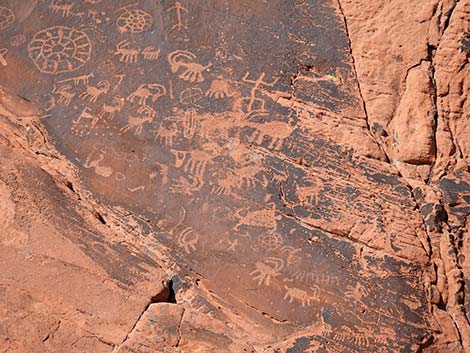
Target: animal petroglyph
<point>219,89</point>
<point>165,135</point>
<point>59,49</point>
<point>109,110</point>
<point>147,115</point>
<point>302,296</point>
<point>87,116</point>
<point>134,21</point>
<point>3,53</point>
<point>267,270</point>
<point>150,53</point>
<point>193,162</point>
<point>180,13</point>
<point>146,91</point>
<point>7,17</point>
<point>94,92</point>
<point>275,131</point>
<point>84,79</point>
<point>191,71</point>
<point>127,54</point>
<point>65,94</point>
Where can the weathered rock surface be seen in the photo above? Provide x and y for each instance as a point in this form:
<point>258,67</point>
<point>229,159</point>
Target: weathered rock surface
<point>234,176</point>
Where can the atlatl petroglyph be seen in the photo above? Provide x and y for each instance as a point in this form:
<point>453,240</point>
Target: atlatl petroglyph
<point>267,270</point>
<point>59,49</point>
<point>147,90</point>
<point>185,60</point>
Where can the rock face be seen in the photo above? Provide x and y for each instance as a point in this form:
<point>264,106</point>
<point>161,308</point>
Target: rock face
<point>234,176</point>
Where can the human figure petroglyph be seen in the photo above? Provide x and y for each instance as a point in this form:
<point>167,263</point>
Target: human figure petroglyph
<point>180,11</point>
<point>65,94</point>
<point>96,165</point>
<point>133,20</point>
<point>219,89</point>
<point>61,8</point>
<point>302,296</point>
<point>109,110</point>
<point>147,90</point>
<point>84,79</point>
<point>127,54</point>
<point>147,115</point>
<point>3,53</point>
<point>7,17</point>
<point>59,49</point>
<point>252,102</point>
<point>93,93</point>
<point>192,71</point>
<point>267,270</point>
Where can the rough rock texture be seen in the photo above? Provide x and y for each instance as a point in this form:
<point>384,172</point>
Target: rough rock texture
<point>234,176</point>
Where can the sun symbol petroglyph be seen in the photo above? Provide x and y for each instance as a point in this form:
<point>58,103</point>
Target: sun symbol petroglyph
<point>59,49</point>
<point>190,96</point>
<point>302,296</point>
<point>267,270</point>
<point>146,91</point>
<point>7,17</point>
<point>134,21</point>
<point>192,71</point>
<point>94,92</point>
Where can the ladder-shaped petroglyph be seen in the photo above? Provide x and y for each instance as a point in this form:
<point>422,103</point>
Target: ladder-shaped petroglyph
<point>253,103</point>
<point>7,17</point>
<point>147,90</point>
<point>305,298</point>
<point>59,49</point>
<point>191,70</point>
<point>93,93</point>
<point>133,20</point>
<point>265,271</point>
<point>146,115</point>
<point>77,80</point>
<point>181,16</point>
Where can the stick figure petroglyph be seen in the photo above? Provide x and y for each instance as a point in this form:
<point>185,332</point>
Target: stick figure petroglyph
<point>267,270</point>
<point>192,71</point>
<point>180,11</point>
<point>252,103</point>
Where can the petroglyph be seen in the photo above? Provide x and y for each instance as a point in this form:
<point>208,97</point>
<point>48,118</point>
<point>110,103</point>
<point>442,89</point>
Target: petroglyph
<point>253,103</point>
<point>190,96</point>
<point>147,114</point>
<point>59,49</point>
<point>7,17</point>
<point>219,89</point>
<point>109,110</point>
<point>93,93</point>
<point>95,164</point>
<point>134,20</point>
<point>17,40</point>
<point>181,16</point>
<point>65,94</point>
<point>3,53</point>
<point>147,90</point>
<point>127,54</point>
<point>59,7</point>
<point>185,236</point>
<point>185,60</point>
<point>82,79</point>
<point>266,218</point>
<point>166,134</point>
<point>267,270</point>
<point>150,53</point>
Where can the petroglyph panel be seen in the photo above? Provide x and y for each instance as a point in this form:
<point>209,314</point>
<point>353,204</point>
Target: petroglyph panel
<point>203,117</point>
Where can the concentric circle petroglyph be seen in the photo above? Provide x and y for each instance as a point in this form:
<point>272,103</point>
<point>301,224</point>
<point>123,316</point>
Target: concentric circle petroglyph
<point>134,21</point>
<point>59,49</point>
